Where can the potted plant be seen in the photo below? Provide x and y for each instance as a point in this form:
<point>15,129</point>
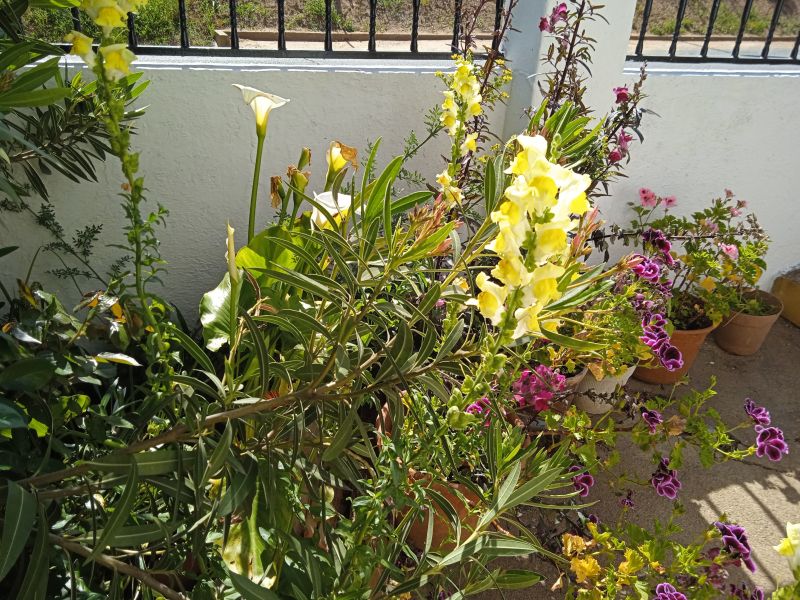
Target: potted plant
<point>692,309</point>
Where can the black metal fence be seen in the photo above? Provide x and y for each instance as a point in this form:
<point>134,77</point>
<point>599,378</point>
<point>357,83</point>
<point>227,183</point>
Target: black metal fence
<point>744,46</point>
<point>286,50</point>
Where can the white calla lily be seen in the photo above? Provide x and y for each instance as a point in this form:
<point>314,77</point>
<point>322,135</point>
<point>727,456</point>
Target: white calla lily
<point>261,103</point>
<point>335,205</point>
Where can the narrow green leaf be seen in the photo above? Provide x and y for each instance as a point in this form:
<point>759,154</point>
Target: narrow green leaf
<point>17,525</point>
<point>249,589</point>
<point>34,585</point>
<point>192,348</point>
<point>117,357</point>
<point>122,510</point>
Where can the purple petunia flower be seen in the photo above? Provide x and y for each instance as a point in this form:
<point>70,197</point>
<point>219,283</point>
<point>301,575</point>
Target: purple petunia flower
<point>627,501</point>
<point>734,538</point>
<point>665,480</point>
<point>646,268</point>
<point>582,481</point>
<point>666,591</point>
<point>653,419</point>
<point>770,442</point>
<point>671,358</point>
<point>759,414</point>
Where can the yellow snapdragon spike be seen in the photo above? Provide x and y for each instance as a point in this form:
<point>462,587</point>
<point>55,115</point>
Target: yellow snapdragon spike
<point>546,191</point>
<point>117,60</point>
<point>444,179</point>
<point>110,17</point>
<point>545,282</point>
<point>262,104</point>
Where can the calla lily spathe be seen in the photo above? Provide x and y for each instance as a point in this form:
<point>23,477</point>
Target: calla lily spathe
<point>338,205</point>
<point>262,104</point>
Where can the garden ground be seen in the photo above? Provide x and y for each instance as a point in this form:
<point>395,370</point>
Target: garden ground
<point>755,493</point>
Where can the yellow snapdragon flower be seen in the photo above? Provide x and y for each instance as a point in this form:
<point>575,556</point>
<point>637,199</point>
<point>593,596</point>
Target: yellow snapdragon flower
<point>81,46</point>
<point>469,144</point>
<point>490,301</point>
<point>106,13</point>
<point>790,545</point>
<point>117,60</point>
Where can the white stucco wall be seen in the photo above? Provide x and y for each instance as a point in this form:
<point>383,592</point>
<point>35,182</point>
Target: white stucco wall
<point>198,147</point>
<point>721,127</point>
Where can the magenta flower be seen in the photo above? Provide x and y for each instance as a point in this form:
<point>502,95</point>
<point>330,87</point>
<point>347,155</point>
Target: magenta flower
<point>734,539</point>
<point>671,357</point>
<point>735,212</point>
<point>623,140</point>
<point>621,93</point>
<point>647,198</point>
<point>770,442</point>
<point>627,501</point>
<point>759,414</point>
<point>646,269</point>
<point>440,303</point>
<point>666,591</point>
<point>560,12</point>
<point>582,481</point>
<point>653,419</point>
<point>731,250</point>
<point>537,388</point>
<point>665,480</point>
<point>544,25</point>
<point>670,201</point>
<point>615,155</point>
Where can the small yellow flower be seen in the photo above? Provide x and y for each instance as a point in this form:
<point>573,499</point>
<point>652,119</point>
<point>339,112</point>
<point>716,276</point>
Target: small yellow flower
<point>790,545</point>
<point>551,240</point>
<point>511,271</point>
<point>633,562</point>
<point>469,144</point>
<point>444,179</point>
<point>105,13</point>
<point>585,569</point>
<point>490,301</point>
<point>117,60</point>
<point>573,544</point>
<point>527,320</point>
<point>81,46</point>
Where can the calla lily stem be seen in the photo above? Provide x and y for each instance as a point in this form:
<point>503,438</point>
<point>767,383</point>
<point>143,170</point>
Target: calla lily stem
<point>251,225</point>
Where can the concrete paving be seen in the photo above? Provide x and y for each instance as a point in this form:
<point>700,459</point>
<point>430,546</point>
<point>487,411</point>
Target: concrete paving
<point>760,495</point>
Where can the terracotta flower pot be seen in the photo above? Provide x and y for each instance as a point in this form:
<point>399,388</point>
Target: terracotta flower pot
<point>462,499</point>
<point>689,342</point>
<point>743,334</point>
<point>605,386</point>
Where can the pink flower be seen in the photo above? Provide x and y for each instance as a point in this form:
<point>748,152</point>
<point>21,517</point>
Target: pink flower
<point>621,93</point>
<point>741,204</point>
<point>623,139</point>
<point>560,12</point>
<point>735,212</point>
<point>710,226</point>
<point>728,194</point>
<point>731,250</point>
<point>647,197</point>
<point>544,25</point>
<point>670,201</point>
<point>615,155</point>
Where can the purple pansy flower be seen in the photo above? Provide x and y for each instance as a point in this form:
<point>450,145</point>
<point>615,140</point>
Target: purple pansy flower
<point>770,442</point>
<point>653,419</point>
<point>734,538</point>
<point>665,480</point>
<point>742,592</point>
<point>646,268</point>
<point>582,480</point>
<point>759,414</point>
<point>627,501</point>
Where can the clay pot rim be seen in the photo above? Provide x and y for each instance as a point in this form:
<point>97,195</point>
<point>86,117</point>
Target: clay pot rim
<point>705,330</point>
<point>772,299</point>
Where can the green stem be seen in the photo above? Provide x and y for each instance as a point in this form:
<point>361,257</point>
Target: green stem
<point>251,225</point>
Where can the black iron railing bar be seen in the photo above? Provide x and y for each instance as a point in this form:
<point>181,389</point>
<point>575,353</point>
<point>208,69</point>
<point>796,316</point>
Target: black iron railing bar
<point>234,25</point>
<point>414,25</point>
<point>673,47</point>
<point>773,25</point>
<point>456,25</point>
<point>183,23</point>
<point>648,8</point>
<point>748,6</point>
<point>329,25</point>
<point>712,19</point>
<point>133,40</point>
<point>373,11</point>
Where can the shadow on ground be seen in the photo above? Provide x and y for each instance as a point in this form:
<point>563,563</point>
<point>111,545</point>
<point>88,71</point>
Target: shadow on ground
<point>760,495</point>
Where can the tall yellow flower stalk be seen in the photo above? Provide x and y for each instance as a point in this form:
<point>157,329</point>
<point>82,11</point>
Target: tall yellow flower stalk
<point>541,205</point>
